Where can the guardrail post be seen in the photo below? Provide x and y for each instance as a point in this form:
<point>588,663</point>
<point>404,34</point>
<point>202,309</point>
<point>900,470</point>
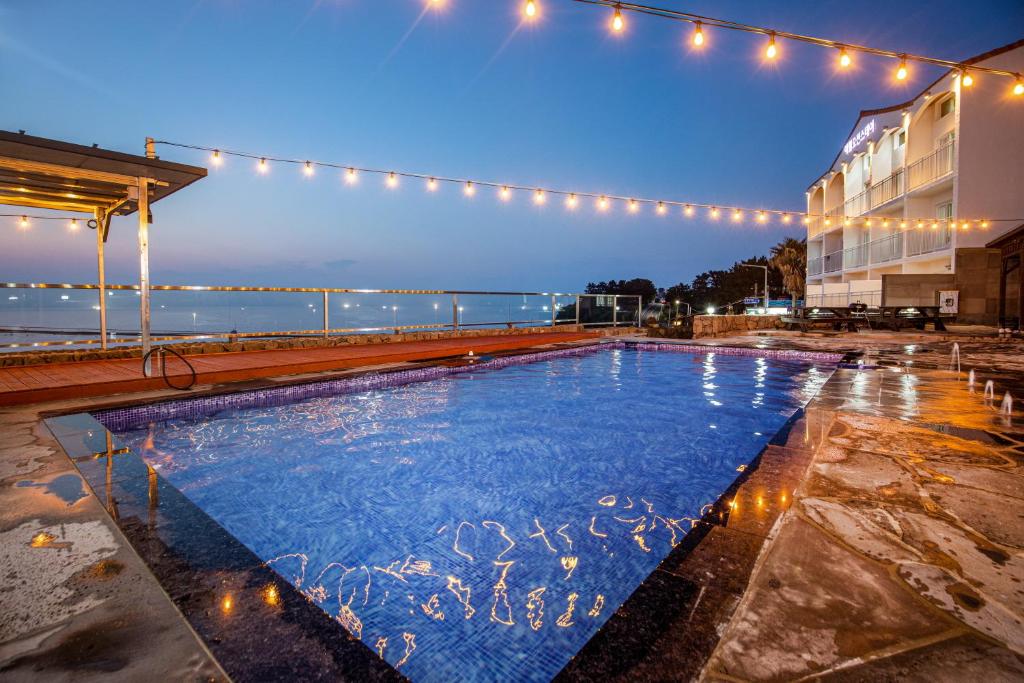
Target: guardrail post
<point>326,319</point>
<point>615,310</point>
<point>455,312</point>
<point>554,309</point>
<point>577,309</point>
<point>143,210</point>
<point>102,278</point>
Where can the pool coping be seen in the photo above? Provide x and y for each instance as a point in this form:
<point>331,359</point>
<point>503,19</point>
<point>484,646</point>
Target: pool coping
<point>138,492</point>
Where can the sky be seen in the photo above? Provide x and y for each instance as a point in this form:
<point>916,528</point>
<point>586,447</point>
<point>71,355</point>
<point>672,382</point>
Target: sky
<point>467,91</point>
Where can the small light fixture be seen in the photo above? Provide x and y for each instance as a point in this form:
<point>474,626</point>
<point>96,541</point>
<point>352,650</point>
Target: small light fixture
<point>216,158</point>
<point>661,208</point>
<point>262,166</point>
<point>505,193</point>
<point>530,10</point>
<point>392,180</point>
<point>901,70</point>
<point>308,169</point>
<point>351,176</point>
<point>844,58</point>
<point>771,52</point>
<point>618,22</point>
<point>470,190</point>
<point>538,196</point>
<point>571,201</point>
<point>698,35</point>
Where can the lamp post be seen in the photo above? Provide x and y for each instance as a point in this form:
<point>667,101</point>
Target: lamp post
<point>757,265</point>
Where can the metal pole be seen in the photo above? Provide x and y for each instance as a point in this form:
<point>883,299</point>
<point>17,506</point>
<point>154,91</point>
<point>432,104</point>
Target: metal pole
<point>143,206</point>
<point>615,310</point>
<point>455,312</point>
<point>554,309</point>
<point>102,271</point>
<point>639,305</point>
<point>326,319</point>
<point>766,290</point>
<point>577,309</point>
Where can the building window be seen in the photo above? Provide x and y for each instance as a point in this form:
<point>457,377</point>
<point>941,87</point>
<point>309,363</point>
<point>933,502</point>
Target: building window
<point>900,139</point>
<point>946,107</point>
<point>944,211</point>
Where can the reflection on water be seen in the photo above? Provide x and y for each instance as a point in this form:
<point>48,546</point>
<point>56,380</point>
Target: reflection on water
<point>485,524</point>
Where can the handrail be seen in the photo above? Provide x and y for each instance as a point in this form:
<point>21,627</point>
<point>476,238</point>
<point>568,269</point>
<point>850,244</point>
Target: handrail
<point>307,290</point>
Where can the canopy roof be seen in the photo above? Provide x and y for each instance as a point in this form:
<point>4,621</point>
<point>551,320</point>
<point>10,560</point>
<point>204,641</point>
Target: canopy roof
<point>51,174</point>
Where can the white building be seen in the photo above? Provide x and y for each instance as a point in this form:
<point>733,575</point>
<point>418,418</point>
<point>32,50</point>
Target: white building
<point>894,199</point>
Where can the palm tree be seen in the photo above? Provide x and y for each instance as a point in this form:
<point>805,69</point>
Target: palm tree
<point>789,257</point>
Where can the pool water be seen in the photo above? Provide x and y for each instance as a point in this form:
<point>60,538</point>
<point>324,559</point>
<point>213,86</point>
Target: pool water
<point>483,525</point>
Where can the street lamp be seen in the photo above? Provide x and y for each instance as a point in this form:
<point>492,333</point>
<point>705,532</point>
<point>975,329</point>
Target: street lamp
<point>757,265</point>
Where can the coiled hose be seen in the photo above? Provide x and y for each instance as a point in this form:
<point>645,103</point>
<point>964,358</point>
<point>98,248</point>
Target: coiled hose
<point>163,367</point>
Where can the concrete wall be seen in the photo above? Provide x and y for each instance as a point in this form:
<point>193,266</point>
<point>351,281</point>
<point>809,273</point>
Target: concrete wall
<point>914,290</point>
<point>976,278</point>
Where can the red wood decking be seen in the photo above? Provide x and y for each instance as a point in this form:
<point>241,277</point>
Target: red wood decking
<point>55,381</point>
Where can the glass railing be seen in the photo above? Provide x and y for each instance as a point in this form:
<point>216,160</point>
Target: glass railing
<point>856,205</point>
<point>844,299</point>
<point>931,167</point>
<point>834,262</point>
<point>45,314</point>
<point>855,257</point>
<point>814,265</point>
<point>927,240</point>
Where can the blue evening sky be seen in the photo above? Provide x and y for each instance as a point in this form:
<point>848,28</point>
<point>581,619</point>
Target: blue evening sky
<point>464,92</point>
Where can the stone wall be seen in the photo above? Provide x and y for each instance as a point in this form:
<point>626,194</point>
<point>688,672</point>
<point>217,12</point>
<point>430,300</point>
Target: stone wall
<point>729,325</point>
<point>195,348</point>
<point>976,277</point>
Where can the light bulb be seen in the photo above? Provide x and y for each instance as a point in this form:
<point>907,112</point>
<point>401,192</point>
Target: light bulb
<point>807,220</point>
<point>844,58</point>
<point>984,224</point>
<point>432,185</point>
<point>737,215</point>
<point>351,176</point>
<point>538,196</point>
<point>262,166</point>
<point>618,23</point>
<point>392,180</point>
<point>530,9</point>
<point>785,218</point>
<point>505,193</point>
<point>308,168</point>
<point>771,52</point>
<point>215,158</point>
<point>73,225</point>
<point>1018,87</point>
<point>633,206</point>
<point>966,80</point>
<point>885,222</point>
<point>602,203</point>
<point>901,72</point>
<point>688,210</point>
<point>469,188</point>
<point>761,217</point>
<point>661,208</point>
<point>571,201</point>
<point>714,212</point>
<point>935,225</point>
<point>903,224</point>
<point>698,35</point>
<point>867,222</point>
<point>23,223</point>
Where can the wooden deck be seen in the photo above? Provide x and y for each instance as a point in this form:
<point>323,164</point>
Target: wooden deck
<point>56,381</point>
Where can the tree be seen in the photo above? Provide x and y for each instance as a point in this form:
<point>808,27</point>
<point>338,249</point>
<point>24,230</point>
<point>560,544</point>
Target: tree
<point>789,258</point>
<point>638,286</point>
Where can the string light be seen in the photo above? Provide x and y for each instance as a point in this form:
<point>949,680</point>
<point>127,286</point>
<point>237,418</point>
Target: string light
<point>771,51</point>
<point>935,225</point>
<point>737,215</point>
<point>966,79</point>
<point>920,225</point>
<point>633,206</point>
<point>505,193</point>
<point>602,203</point>
<point>984,224</point>
<point>714,213</point>
<point>215,158</point>
<point>470,190</point>
<point>392,180</point>
<point>432,186</point>
<point>661,208</point>
<point>1018,87</point>
<point>571,201</point>
<point>785,218</point>
<point>807,220</point>
<point>23,223</point>
<point>351,176</point>
<point>308,169</point>
<point>761,218</point>
<point>698,35</point>
<point>530,9</point>
<point>262,166</point>
<point>844,58</point>
<point>688,210</point>
<point>618,23</point>
<point>903,224</point>
<point>538,196</point>
<point>73,225</point>
<point>901,71</point>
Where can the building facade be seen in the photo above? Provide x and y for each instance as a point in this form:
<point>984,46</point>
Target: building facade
<point>896,199</point>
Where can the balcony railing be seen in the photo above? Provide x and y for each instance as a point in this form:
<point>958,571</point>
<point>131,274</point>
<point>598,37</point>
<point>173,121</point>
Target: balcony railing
<point>857,204</point>
<point>887,190</point>
<point>870,297</point>
<point>834,261</point>
<point>927,240</point>
<point>814,265</point>
<point>889,248</point>
<point>932,167</point>
<point>815,227</point>
<point>46,314</point>
<point>855,257</point>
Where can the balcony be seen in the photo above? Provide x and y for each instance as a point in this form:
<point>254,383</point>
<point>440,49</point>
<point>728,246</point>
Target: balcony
<point>888,248</point>
<point>930,168</point>
<point>814,266</point>
<point>834,262</point>
<point>857,204</point>
<point>887,190</point>
<point>855,257</point>
<point>927,240</point>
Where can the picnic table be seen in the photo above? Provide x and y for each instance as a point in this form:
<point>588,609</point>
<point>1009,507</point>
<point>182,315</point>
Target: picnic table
<point>852,315</point>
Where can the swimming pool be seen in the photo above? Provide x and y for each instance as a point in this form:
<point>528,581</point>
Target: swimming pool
<point>481,524</point>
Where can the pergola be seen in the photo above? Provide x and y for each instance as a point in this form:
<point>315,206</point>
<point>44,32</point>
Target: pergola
<point>1011,258</point>
<point>39,173</point>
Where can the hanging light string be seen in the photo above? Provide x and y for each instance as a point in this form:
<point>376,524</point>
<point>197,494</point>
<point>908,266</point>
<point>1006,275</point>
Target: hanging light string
<point>24,220</point>
<point>700,22</point>
<point>350,173</point>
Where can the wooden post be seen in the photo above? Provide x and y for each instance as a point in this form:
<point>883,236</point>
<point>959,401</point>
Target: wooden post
<point>101,278</point>
<point>143,207</point>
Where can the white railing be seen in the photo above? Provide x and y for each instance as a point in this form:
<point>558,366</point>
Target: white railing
<point>871,298</point>
<point>888,248</point>
<point>856,205</point>
<point>887,190</point>
<point>932,167</point>
<point>927,240</point>
<point>814,265</point>
<point>855,257</point>
<point>834,261</point>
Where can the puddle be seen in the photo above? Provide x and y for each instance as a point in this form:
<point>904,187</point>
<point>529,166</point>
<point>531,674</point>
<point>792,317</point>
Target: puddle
<point>67,487</point>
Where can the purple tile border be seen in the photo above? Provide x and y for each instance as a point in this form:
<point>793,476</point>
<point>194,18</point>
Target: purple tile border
<point>119,419</point>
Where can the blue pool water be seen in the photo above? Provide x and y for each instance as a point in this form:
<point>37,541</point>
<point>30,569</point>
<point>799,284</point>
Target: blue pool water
<point>483,525</point>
